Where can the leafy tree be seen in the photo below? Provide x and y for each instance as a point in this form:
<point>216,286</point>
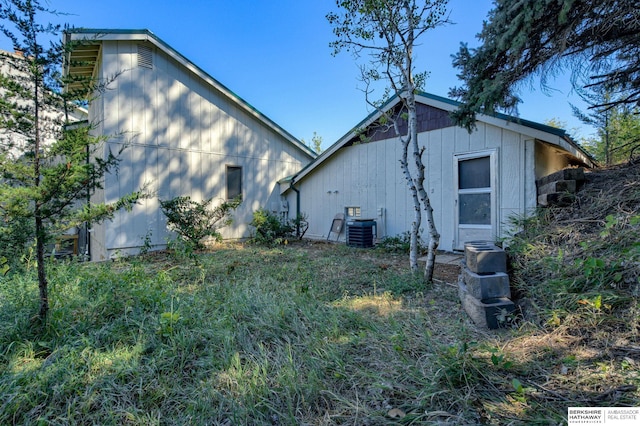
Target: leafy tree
<point>387,30</point>
<point>194,221</point>
<point>316,143</point>
<point>48,167</point>
<point>617,127</point>
<point>599,40</point>
<point>555,122</point>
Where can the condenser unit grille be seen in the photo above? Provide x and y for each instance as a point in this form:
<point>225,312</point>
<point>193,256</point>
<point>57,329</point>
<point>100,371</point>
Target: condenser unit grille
<point>360,233</point>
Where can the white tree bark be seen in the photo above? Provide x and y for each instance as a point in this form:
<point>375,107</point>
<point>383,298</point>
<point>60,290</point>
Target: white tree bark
<point>388,29</point>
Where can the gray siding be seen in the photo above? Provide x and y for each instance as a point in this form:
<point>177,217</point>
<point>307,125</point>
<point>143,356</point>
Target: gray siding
<point>181,133</point>
<point>369,176</point>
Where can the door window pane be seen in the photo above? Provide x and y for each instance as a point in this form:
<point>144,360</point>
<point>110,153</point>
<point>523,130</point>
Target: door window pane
<point>475,209</point>
<point>474,173</point>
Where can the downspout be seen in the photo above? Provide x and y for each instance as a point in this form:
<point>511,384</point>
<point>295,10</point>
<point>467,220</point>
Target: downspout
<point>87,225</point>
<point>297,191</point>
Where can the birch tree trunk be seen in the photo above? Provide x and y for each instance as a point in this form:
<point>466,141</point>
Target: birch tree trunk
<point>417,220</point>
<point>388,30</point>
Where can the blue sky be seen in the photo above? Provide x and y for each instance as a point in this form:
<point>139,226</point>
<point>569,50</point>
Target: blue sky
<point>275,54</point>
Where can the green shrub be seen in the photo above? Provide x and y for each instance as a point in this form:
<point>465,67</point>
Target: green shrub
<point>269,229</point>
<point>398,244</point>
<point>194,221</point>
<point>300,224</point>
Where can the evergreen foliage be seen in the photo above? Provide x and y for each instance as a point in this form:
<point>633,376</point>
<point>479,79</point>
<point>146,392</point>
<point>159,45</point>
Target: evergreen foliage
<point>618,128</point>
<point>599,40</point>
<point>50,164</point>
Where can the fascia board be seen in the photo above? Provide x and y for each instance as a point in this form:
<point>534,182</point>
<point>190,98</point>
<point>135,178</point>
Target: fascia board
<point>541,135</point>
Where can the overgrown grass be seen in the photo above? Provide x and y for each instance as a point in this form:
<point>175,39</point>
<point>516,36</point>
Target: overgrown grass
<point>323,334</point>
<point>248,335</point>
<point>587,256</point>
<point>576,274</point>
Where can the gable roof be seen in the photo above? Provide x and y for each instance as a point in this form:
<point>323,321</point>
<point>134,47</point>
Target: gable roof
<point>83,60</point>
<point>542,132</point>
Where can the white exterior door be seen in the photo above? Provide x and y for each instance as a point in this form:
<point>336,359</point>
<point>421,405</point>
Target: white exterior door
<point>475,197</point>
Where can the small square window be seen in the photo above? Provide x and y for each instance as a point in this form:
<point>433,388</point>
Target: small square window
<point>234,182</point>
<point>353,211</point>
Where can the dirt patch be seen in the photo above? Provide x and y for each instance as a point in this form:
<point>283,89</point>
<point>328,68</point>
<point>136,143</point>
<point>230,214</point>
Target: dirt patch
<point>443,272</point>
<point>446,273</point>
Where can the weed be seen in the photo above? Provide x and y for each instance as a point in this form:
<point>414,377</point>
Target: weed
<point>457,366</point>
<point>146,243</point>
<point>169,319</point>
<point>499,359</point>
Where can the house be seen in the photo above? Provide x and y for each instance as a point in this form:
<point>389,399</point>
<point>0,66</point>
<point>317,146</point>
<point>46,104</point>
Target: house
<point>186,134</point>
<point>13,143</point>
<point>476,181</point>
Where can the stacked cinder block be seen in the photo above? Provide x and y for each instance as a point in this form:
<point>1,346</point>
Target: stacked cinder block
<point>559,188</point>
<point>483,286</point>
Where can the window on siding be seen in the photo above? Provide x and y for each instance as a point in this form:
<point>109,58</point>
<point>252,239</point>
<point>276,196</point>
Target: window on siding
<point>352,211</point>
<point>234,182</point>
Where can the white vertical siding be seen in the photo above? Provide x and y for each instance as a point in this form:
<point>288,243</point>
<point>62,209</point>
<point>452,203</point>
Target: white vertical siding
<point>530,192</point>
<point>511,174</point>
<point>447,227</point>
<point>432,159</point>
<point>369,175</point>
<point>182,133</point>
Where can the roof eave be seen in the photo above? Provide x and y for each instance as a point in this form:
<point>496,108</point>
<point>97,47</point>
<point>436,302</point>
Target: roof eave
<point>549,134</point>
<point>100,35</point>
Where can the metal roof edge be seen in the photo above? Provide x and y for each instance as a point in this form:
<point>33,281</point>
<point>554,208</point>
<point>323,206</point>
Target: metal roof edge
<point>560,133</point>
<point>448,105</point>
<point>346,138</point>
<point>102,34</point>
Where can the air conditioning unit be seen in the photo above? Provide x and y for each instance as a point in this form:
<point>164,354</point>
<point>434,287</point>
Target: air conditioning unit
<point>361,232</point>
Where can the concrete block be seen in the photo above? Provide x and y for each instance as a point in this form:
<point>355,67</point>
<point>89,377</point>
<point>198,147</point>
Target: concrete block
<point>558,199</point>
<point>486,313</point>
<point>477,244</point>
<point>558,186</point>
<point>484,259</point>
<point>576,174</point>
<point>486,286</point>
